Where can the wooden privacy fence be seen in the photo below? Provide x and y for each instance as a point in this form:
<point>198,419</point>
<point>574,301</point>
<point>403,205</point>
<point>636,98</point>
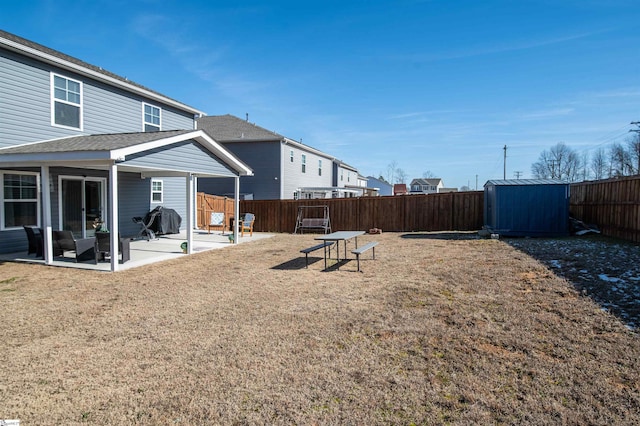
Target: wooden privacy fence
<point>613,205</point>
<point>461,211</point>
<point>206,204</point>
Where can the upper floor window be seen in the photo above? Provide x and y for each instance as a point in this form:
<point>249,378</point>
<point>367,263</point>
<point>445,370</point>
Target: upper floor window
<point>19,200</point>
<point>348,176</point>
<point>156,191</point>
<point>319,167</point>
<point>151,118</point>
<point>66,102</point>
<point>291,156</point>
<point>304,163</point>
<point>341,175</point>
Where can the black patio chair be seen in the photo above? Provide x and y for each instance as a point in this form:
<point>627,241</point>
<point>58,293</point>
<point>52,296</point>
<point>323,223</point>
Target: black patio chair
<point>35,241</point>
<point>84,248</point>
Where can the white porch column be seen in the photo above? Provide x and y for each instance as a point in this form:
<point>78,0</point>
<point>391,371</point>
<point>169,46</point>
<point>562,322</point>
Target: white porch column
<point>113,216</point>
<point>47,242</point>
<point>190,203</point>
<point>236,208</point>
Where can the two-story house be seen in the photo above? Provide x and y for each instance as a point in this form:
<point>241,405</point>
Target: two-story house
<point>282,168</point>
<point>78,143</point>
<point>426,186</point>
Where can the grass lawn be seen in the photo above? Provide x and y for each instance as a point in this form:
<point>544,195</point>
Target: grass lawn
<point>434,331</point>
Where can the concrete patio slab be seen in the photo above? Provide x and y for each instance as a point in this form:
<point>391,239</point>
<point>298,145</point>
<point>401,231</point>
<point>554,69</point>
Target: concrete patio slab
<point>145,252</point>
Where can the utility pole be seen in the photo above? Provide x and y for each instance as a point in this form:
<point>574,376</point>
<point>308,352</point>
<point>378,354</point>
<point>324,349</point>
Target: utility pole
<point>517,174</point>
<point>476,182</point>
<point>637,143</point>
<point>504,172</point>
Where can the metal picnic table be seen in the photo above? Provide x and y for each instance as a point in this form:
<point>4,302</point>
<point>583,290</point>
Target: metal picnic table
<point>337,237</point>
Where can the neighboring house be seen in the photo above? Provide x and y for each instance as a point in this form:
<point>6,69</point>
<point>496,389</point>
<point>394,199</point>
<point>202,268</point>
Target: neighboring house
<point>383,187</point>
<point>426,186</point>
<point>78,143</point>
<point>400,189</point>
<point>448,190</point>
<point>282,168</point>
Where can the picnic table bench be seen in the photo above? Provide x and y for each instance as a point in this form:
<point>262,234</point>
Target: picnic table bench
<point>324,245</point>
<point>358,251</point>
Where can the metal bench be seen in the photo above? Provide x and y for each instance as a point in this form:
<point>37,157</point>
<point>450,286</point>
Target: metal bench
<point>314,248</point>
<point>358,251</point>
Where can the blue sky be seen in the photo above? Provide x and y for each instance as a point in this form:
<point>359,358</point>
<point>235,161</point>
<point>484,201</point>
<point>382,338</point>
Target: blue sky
<point>437,86</point>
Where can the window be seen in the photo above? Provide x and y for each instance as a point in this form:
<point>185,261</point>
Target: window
<point>291,156</point>
<point>348,176</point>
<point>319,167</point>
<point>151,118</point>
<point>304,163</point>
<point>66,102</point>
<point>20,200</point>
<point>156,191</point>
<point>341,175</point>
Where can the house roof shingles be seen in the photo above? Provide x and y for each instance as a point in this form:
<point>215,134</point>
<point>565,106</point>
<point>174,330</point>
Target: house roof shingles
<point>106,142</point>
<point>229,128</point>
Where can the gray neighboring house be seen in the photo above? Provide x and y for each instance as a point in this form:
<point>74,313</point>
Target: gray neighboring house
<point>384,188</point>
<point>426,186</point>
<point>78,143</point>
<point>281,166</point>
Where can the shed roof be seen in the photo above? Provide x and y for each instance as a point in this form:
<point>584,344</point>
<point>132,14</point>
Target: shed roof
<point>523,182</point>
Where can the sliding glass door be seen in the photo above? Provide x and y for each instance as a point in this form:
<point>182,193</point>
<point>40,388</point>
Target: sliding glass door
<point>82,204</point>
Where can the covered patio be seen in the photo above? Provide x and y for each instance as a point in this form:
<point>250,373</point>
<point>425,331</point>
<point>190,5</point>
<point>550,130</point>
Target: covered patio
<point>187,154</point>
<point>145,252</point>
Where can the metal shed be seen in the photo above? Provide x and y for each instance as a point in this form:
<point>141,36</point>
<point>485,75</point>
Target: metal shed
<point>527,207</point>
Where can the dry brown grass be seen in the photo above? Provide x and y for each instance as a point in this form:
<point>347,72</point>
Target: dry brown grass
<point>434,331</point>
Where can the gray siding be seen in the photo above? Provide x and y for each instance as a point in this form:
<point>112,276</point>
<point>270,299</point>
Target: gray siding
<point>175,197</point>
<point>25,105</point>
<point>264,159</point>
<point>134,199</point>
<point>294,178</point>
<point>187,156</point>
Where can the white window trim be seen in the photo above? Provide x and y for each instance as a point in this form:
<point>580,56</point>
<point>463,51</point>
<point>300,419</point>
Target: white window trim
<point>304,163</point>
<point>53,101</point>
<point>2,199</point>
<point>144,123</point>
<point>291,156</point>
<point>161,191</point>
<point>319,167</point>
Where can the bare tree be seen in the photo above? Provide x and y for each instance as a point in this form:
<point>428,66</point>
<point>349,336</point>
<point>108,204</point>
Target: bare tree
<point>401,176</point>
<point>428,174</point>
<point>599,164</point>
<point>559,162</point>
<point>619,160</point>
<point>633,147</point>
<point>391,171</point>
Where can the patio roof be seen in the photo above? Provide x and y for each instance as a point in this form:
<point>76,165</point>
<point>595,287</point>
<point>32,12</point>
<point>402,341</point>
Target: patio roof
<point>95,150</point>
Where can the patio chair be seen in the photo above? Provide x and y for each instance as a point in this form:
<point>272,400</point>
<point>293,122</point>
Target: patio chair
<point>246,224</point>
<point>84,248</point>
<point>35,241</point>
<point>145,227</point>
<point>103,247</point>
<point>216,221</point>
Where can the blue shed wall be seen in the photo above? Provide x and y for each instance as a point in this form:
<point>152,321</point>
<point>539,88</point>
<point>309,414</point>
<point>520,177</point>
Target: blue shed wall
<point>527,210</point>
